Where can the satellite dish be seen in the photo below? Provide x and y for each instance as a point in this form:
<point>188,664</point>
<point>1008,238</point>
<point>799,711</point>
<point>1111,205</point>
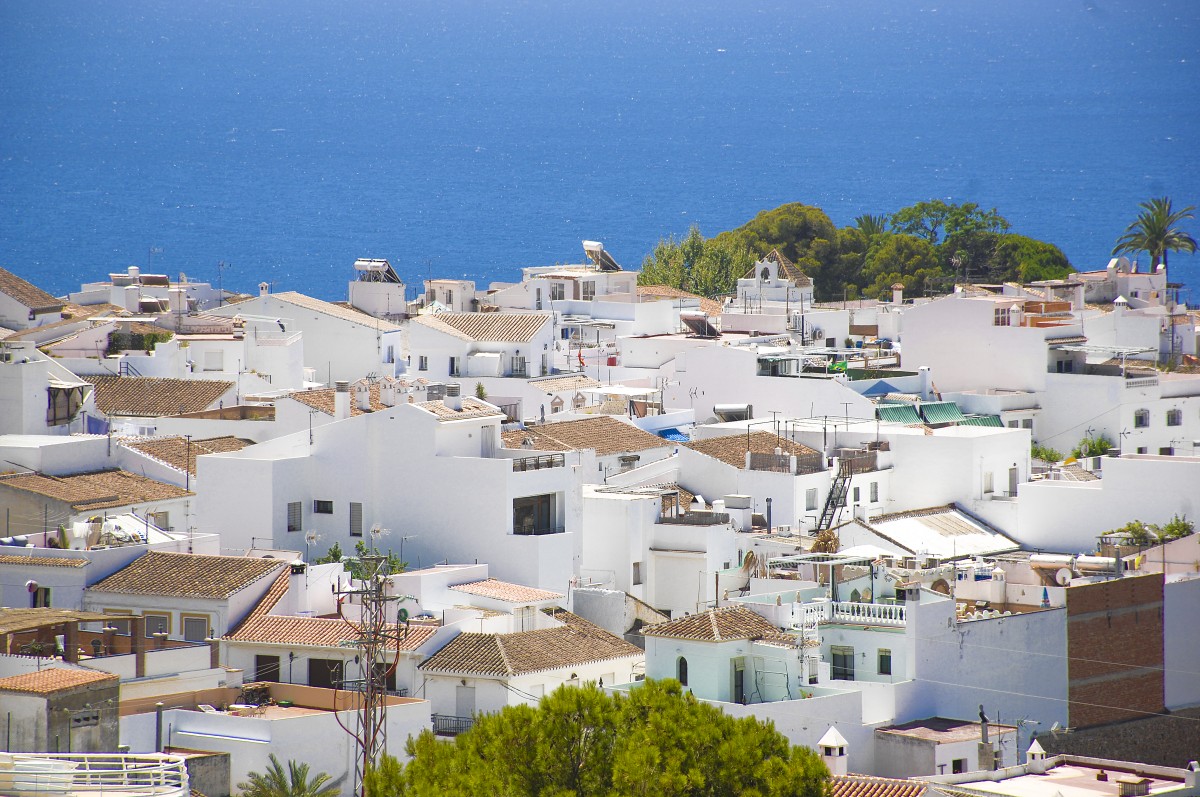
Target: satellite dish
<point>1063,576</point>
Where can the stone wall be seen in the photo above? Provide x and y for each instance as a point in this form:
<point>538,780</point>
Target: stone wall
<point>1170,740</point>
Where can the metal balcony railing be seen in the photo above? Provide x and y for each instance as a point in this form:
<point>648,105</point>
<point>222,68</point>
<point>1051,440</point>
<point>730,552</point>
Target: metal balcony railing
<point>539,462</point>
<point>446,725</point>
<point>81,775</point>
<point>696,519</point>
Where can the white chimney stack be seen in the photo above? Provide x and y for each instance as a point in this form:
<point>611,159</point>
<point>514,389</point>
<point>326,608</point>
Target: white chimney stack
<point>362,395</point>
<point>264,288</point>
<point>453,398</point>
<point>926,382</point>
<point>832,748</point>
<point>341,400</point>
<point>387,392</point>
<point>898,293</point>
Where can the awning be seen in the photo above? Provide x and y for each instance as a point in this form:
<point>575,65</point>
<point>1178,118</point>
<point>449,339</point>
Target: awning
<point>674,435</point>
<point>941,412</point>
<point>981,420</point>
<point>897,413</point>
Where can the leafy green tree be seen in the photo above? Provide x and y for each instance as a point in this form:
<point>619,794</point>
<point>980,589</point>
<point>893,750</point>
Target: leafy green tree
<point>1138,533</point>
<point>275,782</point>
<point>901,258</point>
<point>654,741</point>
<point>1093,446</point>
<point>1156,231</point>
<point>391,564</point>
<point>1045,453</point>
<point>986,256</point>
<point>803,234</point>
<point>664,266</point>
<point>1176,528</point>
<point>929,219</point>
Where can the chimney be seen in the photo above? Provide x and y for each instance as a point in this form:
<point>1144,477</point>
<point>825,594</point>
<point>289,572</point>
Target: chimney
<point>264,288</point>
<point>214,652</point>
<point>770,527</point>
<point>71,643</point>
<point>453,398</point>
<point>832,748</point>
<point>1035,752</point>
<point>362,395</point>
<point>137,640</point>
<point>926,382</point>
<point>135,274</point>
<point>341,400</point>
<point>898,293</point>
<point>387,392</point>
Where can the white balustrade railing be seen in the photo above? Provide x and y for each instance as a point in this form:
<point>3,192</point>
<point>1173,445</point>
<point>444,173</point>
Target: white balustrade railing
<point>867,613</point>
<point>88,775</point>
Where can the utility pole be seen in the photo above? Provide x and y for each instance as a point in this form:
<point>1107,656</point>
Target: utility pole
<point>374,638</point>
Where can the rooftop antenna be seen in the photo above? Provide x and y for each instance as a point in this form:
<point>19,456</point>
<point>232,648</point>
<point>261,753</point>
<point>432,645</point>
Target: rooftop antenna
<point>221,266</point>
<point>154,250</point>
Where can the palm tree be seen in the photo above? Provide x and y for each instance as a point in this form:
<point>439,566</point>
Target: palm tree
<point>1156,231</point>
<point>871,226</point>
<point>293,783</point>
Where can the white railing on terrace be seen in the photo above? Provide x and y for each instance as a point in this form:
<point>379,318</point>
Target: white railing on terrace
<point>84,775</point>
<point>1142,381</point>
<point>867,613</point>
<point>277,340</point>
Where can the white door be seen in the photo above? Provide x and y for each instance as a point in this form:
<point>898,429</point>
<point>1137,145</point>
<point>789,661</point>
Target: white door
<point>464,701</point>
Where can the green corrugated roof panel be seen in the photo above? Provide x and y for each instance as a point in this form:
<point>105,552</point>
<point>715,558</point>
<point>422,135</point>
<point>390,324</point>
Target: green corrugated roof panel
<point>897,413</point>
<point>941,412</point>
<point>981,420</point>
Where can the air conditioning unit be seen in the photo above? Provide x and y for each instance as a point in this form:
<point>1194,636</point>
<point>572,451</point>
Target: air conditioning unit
<point>6,356</point>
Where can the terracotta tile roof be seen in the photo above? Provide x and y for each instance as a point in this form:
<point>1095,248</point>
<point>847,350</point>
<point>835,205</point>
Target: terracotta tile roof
<point>709,306</point>
<point>529,651</point>
<point>152,397</point>
<point>26,293</point>
<point>183,575</point>
<point>42,561</point>
<point>324,632</point>
<point>487,327</point>
<point>605,434</point>
<point>716,625</point>
<point>471,408</point>
<point>174,451</point>
<point>504,591</point>
<point>77,311</point>
<point>731,449</point>
<point>14,620</point>
<point>865,786</point>
<point>560,384</point>
<point>323,400</point>
<point>103,489</point>
<point>786,269</point>
<point>56,679</point>
<point>335,311</point>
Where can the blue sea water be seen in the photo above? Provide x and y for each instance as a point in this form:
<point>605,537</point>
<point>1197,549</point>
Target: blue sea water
<point>473,138</point>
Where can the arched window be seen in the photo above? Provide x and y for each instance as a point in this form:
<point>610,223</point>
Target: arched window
<point>855,596</point>
<point>1141,419</point>
<point>681,670</point>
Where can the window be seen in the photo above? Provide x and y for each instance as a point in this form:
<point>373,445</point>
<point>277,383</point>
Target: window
<point>1141,419</point>
<point>1013,424</point>
<point>874,492</point>
<point>843,662</point>
<point>122,626</point>
<point>1141,449</point>
<point>1000,317</point>
<point>266,668</point>
<point>41,598</point>
<point>454,367</point>
<point>195,628</point>
<point>857,495</point>
<point>519,367</point>
<point>959,765</point>
<point>557,291</point>
<point>293,516</point>
<point>355,519</point>
<point>1027,423</point>
<point>325,673</point>
<point>1166,451</point>
<point>322,507</point>
<point>450,298</point>
<point>589,291</point>
<point>422,363</point>
<point>810,499</point>
<point>885,661</point>
<point>637,573</point>
<point>681,670</point>
<point>1174,417</point>
<point>157,624</point>
<point>535,514</point>
<point>987,483</point>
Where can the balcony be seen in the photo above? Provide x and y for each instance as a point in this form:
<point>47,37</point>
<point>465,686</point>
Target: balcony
<point>538,463</point>
<point>78,775</point>
<point>696,519</point>
<point>890,614</point>
<point>446,725</point>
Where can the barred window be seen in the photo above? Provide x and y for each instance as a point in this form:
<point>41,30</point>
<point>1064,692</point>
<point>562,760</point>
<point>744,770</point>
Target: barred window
<point>355,519</point>
<point>294,514</point>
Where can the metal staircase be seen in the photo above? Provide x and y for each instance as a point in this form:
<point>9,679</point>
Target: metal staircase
<point>837,493</point>
<point>126,368</point>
